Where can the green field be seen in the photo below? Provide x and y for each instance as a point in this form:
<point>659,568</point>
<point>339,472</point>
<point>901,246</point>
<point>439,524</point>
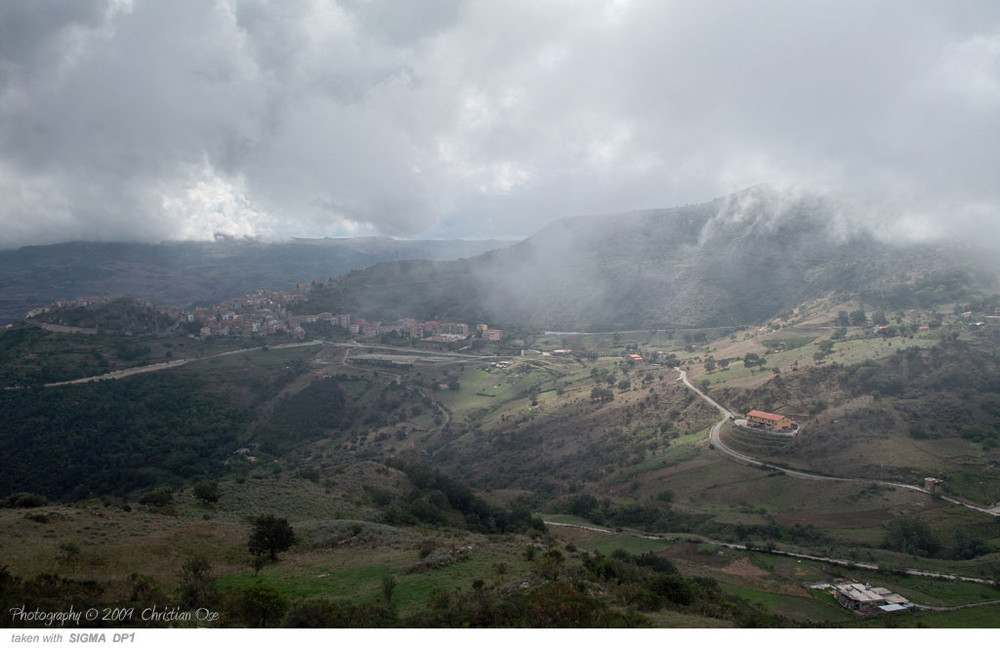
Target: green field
<point>610,543</point>
<point>808,607</point>
<point>357,575</point>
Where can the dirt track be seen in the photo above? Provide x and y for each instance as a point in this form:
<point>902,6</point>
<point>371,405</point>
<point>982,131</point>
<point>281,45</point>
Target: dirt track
<point>793,554</point>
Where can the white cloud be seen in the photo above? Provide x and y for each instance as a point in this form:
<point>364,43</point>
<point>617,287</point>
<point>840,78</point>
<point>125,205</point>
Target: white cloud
<point>210,205</point>
<point>970,71</point>
<point>481,118</point>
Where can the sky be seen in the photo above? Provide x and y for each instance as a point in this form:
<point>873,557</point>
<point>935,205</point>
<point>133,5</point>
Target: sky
<point>149,120</point>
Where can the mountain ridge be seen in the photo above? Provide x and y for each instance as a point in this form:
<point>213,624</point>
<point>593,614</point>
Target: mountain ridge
<point>739,259</point>
<point>185,272</point>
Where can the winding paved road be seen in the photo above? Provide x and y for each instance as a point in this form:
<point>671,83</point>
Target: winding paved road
<point>124,373</point>
<point>716,439</point>
<point>793,554</point>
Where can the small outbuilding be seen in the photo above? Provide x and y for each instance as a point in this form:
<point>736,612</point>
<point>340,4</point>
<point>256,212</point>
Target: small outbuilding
<point>865,599</point>
<point>932,483</point>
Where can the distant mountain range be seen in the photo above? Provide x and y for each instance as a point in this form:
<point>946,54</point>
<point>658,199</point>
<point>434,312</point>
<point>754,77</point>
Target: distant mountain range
<point>185,273</point>
<point>735,260</point>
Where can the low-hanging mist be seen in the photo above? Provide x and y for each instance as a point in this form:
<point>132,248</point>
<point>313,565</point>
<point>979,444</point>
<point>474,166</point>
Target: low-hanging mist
<point>736,260</point>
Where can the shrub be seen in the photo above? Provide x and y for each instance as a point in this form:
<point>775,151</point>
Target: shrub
<point>159,496</point>
<point>207,491</point>
<point>69,552</point>
<point>197,585</point>
<point>911,535</point>
<point>25,500</point>
<point>259,605</point>
<point>427,547</point>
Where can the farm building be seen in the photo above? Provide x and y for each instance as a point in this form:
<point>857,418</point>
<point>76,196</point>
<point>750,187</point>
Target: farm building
<point>770,421</point>
<point>865,599</point>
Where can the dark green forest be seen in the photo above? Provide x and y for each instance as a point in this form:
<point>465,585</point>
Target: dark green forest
<point>113,437</point>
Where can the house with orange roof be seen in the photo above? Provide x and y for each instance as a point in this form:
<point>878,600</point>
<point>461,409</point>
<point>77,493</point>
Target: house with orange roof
<point>776,422</point>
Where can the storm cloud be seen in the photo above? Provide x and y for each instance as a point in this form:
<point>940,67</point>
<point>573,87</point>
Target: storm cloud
<point>152,120</point>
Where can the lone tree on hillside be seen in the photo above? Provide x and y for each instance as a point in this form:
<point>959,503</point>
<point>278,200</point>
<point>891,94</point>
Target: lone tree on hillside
<point>752,360</point>
<point>269,536</point>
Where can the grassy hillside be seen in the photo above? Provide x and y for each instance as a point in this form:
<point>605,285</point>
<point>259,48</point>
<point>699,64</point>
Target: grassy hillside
<point>346,568</point>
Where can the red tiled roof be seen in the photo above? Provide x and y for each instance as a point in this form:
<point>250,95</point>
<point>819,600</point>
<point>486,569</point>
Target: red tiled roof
<point>765,415</point>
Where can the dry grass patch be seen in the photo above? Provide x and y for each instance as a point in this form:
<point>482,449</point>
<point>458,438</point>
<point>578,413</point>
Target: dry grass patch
<point>110,542</point>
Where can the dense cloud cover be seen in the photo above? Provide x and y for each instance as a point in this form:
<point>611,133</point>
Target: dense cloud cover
<point>157,119</point>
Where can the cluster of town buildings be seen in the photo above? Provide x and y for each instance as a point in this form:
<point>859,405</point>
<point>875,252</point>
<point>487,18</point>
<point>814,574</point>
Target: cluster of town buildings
<point>262,312</point>
<point>268,312</point>
<point>265,312</point>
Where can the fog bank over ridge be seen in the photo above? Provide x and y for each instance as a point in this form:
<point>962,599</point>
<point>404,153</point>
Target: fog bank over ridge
<point>734,261</point>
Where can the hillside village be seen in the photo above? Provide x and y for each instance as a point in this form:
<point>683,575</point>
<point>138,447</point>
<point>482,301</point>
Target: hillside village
<point>268,312</point>
<point>264,312</point>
